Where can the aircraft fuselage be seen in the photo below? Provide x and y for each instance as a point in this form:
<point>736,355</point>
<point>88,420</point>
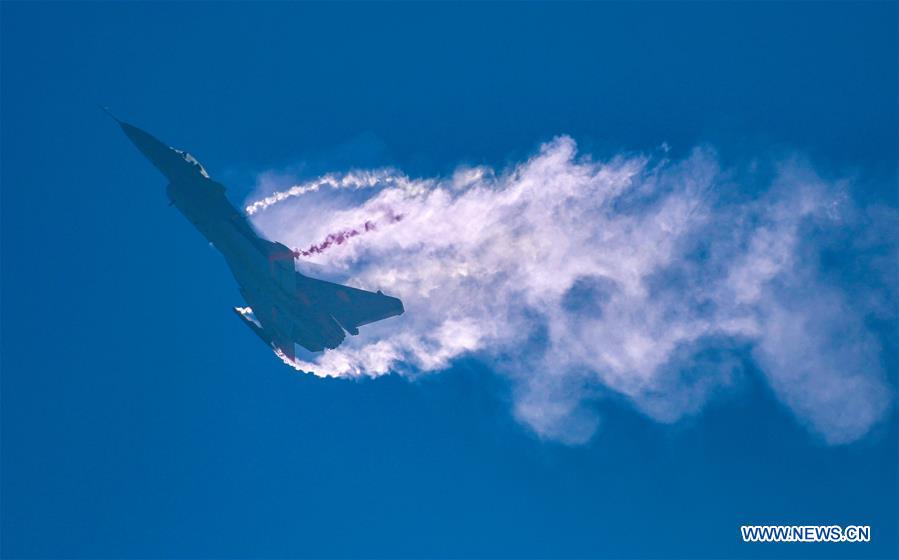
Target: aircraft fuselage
<point>286,306</point>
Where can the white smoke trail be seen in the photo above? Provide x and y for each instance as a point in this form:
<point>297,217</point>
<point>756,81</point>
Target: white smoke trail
<point>360,179</point>
<point>656,281</point>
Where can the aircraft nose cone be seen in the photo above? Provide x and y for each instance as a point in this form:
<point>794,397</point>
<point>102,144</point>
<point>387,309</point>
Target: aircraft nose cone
<point>106,110</point>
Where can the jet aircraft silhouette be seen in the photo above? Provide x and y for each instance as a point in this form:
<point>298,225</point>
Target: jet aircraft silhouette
<point>284,306</point>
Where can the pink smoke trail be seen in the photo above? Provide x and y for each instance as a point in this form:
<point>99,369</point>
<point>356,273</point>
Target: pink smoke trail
<point>341,237</point>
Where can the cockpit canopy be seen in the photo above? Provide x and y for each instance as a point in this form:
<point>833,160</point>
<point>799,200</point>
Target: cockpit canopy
<point>193,161</point>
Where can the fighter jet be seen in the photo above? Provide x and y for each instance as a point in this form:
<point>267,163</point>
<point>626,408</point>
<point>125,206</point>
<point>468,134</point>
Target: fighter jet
<point>284,307</point>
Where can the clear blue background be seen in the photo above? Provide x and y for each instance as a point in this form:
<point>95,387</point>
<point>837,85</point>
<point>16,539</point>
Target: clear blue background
<point>140,418</point>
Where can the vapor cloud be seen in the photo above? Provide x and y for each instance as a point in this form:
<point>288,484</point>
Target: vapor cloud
<point>659,281</point>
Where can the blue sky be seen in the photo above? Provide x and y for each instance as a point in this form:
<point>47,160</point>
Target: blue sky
<point>140,419</point>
